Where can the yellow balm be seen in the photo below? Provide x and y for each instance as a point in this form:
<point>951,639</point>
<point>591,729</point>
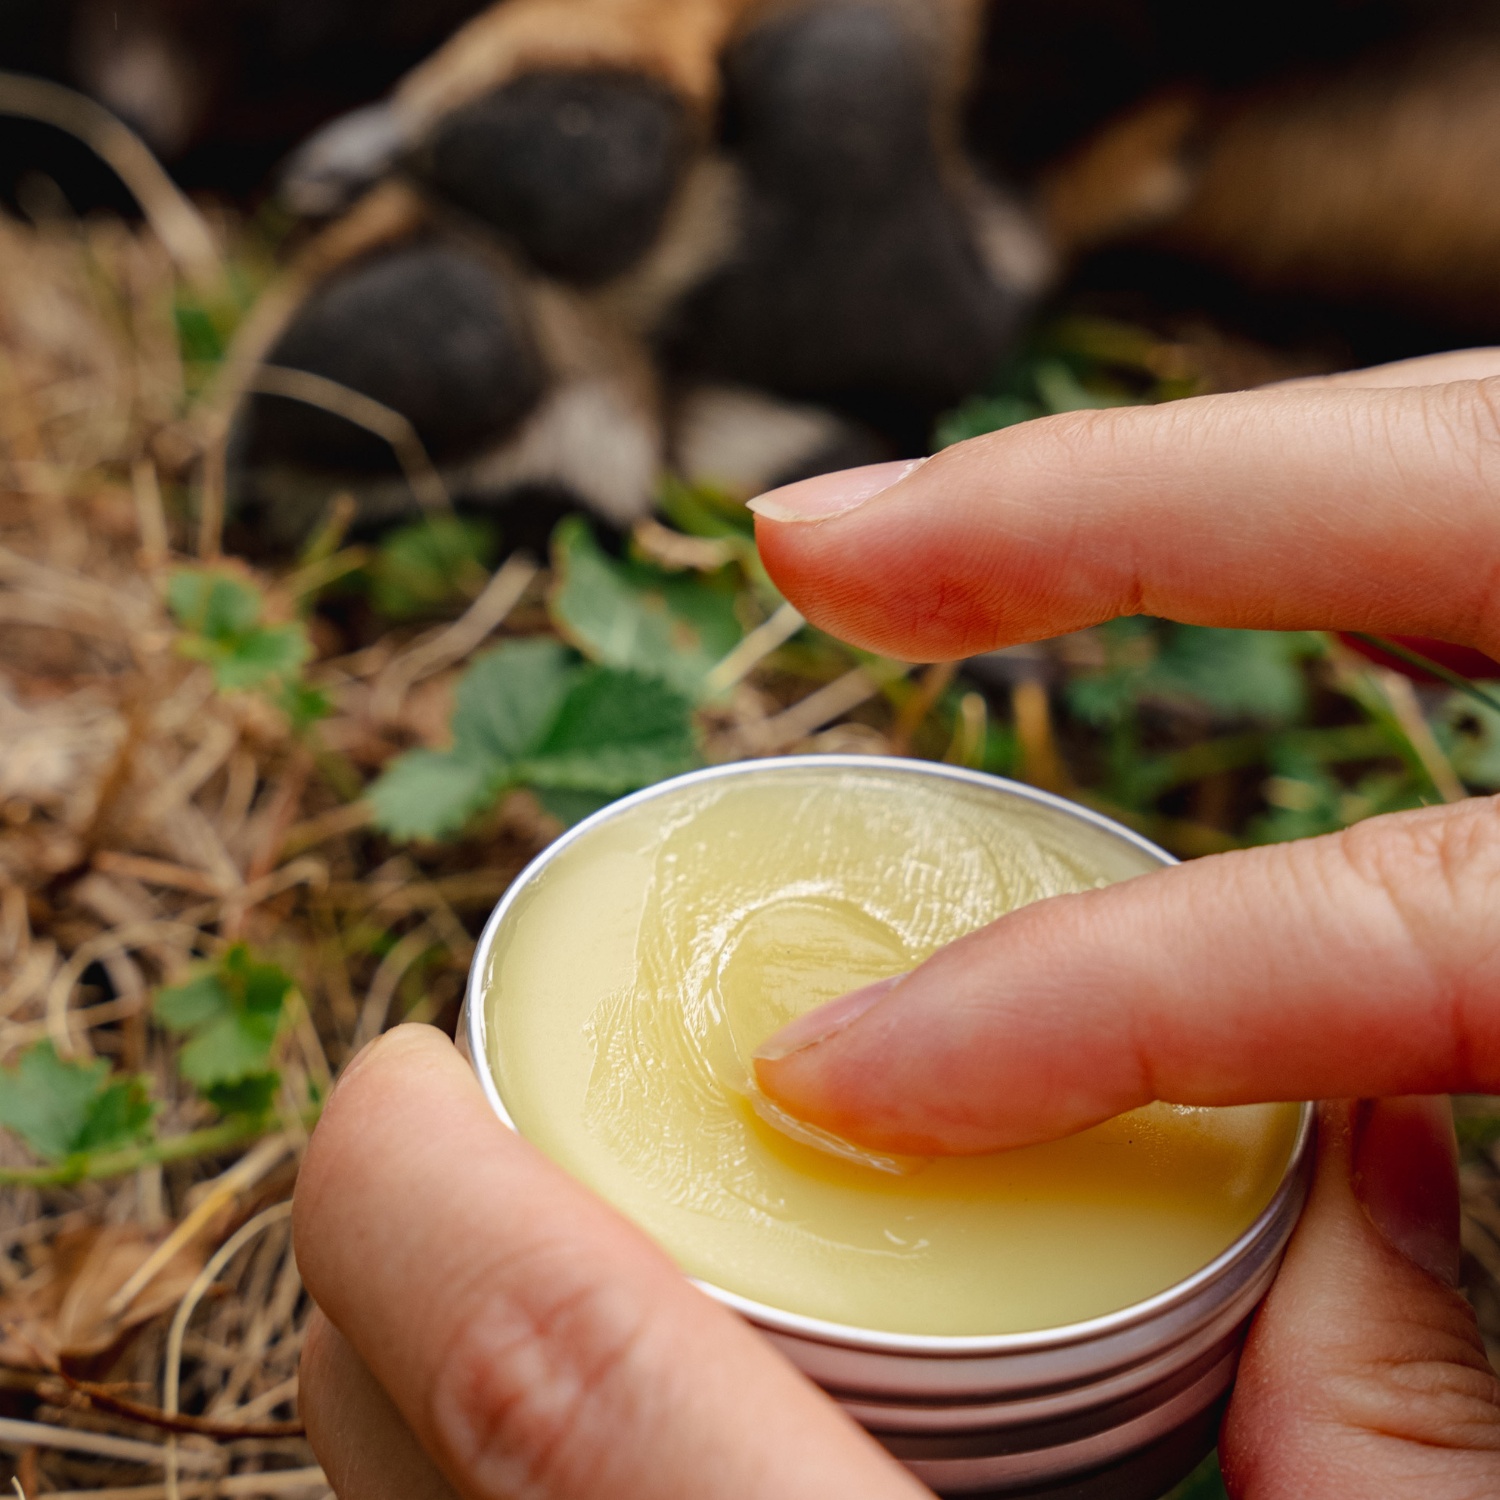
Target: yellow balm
<point>629,982</point>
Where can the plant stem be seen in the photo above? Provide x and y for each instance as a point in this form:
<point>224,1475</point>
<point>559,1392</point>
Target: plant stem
<point>86,1168</point>
<point>1456,680</point>
<point>1237,752</point>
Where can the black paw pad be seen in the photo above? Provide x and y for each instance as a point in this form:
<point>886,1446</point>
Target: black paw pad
<point>431,331</point>
<point>858,280</point>
<point>578,167</point>
<point>831,103</point>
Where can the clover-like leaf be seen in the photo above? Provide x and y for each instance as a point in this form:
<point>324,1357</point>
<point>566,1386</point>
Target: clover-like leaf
<point>231,1048</point>
<point>430,794</point>
<point>424,566</point>
<point>216,606</point>
<point>510,697</point>
<point>530,714</point>
<point>637,618</point>
<point>571,807</point>
<point>221,621</point>
<point>187,1007</point>
<point>61,1108</point>
<point>616,731</point>
<point>304,704</point>
<point>231,1014</point>
<point>262,655</point>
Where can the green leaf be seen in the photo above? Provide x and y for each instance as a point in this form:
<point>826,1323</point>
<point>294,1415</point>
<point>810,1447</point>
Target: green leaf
<point>981,414</point>
<point>617,731</point>
<point>197,336</point>
<point>220,617</point>
<point>1470,733</point>
<point>618,708</point>
<point>1061,390</point>
<point>1204,1483</point>
<point>528,714</point>
<point>1237,674</point>
<point>571,807</point>
<point>419,569</point>
<point>121,1115</point>
<point>260,656</point>
<point>252,1095</point>
<point>259,989</point>
<point>608,770</point>
<point>231,1048</point>
<point>62,1108</point>
<point>304,705</point>
<point>1107,698</point>
<point>637,618</point>
<point>214,605</point>
<point>1307,799</point>
<point>702,510</point>
<point>185,1007</point>
<point>510,697</point>
<point>429,794</point>
<point>231,1014</point>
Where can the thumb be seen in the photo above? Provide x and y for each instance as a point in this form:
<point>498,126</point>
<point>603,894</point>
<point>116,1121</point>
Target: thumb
<point>1364,1374</point>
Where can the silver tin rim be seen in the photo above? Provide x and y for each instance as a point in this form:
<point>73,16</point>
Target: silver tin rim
<point>474,1033</point>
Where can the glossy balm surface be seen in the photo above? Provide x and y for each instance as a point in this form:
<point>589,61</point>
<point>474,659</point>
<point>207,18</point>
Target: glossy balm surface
<point>630,983</point>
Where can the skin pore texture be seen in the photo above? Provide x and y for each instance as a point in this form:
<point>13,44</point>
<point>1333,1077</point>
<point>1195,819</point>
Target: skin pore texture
<point>533,1343</point>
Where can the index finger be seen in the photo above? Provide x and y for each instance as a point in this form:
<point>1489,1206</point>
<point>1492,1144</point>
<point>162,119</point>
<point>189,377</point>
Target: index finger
<point>1332,506</point>
<point>1363,963</point>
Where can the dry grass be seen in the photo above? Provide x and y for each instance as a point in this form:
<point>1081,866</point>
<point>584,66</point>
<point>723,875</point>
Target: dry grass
<point>148,821</point>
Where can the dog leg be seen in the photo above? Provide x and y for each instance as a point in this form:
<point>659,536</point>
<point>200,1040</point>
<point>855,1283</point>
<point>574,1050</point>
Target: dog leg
<point>1370,186</point>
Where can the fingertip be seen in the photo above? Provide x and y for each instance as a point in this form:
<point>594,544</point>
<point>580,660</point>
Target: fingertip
<point>1405,1175</point>
<point>897,582</point>
<point>395,1064</point>
<point>825,496</point>
<point>1270,509</point>
<point>400,1057</point>
<point>410,1072</point>
<point>409,1039</point>
<point>961,554</point>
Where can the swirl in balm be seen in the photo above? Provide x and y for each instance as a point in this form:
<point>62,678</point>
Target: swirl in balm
<point>628,982</point>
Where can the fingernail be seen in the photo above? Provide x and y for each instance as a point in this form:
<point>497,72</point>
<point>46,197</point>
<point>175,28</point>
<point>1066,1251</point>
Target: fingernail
<point>828,495</point>
<point>1405,1174</point>
<point>396,1037</point>
<point>349,1069</point>
<point>818,1025</point>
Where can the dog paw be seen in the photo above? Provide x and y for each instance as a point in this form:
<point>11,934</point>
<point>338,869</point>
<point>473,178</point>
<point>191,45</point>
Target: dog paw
<point>860,277</point>
<point>330,170</point>
<point>426,329</point>
<point>615,260</point>
<point>577,169</point>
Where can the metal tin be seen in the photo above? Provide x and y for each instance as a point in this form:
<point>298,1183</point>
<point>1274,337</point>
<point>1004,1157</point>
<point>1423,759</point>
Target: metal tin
<point>1116,1408</point>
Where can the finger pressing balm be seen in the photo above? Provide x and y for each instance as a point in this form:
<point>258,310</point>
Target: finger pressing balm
<point>617,1000</point>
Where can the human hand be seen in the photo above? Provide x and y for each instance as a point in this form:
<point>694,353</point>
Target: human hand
<point>490,1329</point>
<point>1365,963</point>
<point>483,1309</point>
